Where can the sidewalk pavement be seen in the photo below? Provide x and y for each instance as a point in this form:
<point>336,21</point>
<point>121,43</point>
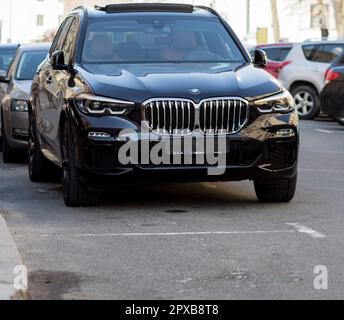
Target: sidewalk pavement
<point>9,259</point>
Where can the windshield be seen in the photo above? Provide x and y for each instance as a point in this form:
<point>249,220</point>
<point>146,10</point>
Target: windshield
<point>29,61</point>
<point>6,57</point>
<point>159,39</point>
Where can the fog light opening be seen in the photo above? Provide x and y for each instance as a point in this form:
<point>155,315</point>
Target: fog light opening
<point>20,132</point>
<point>285,133</point>
<point>98,135</point>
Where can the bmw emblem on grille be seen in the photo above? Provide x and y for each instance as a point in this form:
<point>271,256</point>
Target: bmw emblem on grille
<point>195,91</point>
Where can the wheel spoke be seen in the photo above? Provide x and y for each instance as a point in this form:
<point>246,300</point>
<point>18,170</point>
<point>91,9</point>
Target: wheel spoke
<point>298,98</point>
<point>304,110</point>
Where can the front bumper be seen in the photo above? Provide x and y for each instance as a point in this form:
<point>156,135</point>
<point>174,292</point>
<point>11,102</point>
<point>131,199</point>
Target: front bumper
<point>17,125</point>
<point>255,153</point>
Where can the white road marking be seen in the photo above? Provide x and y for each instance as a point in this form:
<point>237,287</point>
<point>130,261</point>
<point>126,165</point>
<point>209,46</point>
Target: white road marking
<point>324,151</point>
<point>303,229</point>
<point>165,234</point>
<point>336,171</point>
<point>324,131</point>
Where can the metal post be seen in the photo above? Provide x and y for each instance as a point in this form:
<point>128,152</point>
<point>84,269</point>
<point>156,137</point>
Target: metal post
<point>10,27</point>
<point>248,17</point>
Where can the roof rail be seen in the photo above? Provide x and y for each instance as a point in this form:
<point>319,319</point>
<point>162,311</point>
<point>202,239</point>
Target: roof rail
<point>145,7</point>
<point>211,10</point>
<point>81,8</point>
<point>323,39</point>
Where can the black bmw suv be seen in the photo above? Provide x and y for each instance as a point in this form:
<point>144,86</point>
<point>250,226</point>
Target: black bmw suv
<point>138,93</point>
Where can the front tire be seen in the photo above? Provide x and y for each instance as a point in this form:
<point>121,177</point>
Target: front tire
<point>39,167</point>
<point>274,192</point>
<point>75,193</point>
<point>307,102</point>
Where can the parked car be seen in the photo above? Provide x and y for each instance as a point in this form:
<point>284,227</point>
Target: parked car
<point>159,71</point>
<point>332,96</point>
<point>276,54</point>
<point>300,67</point>
<point>14,105</point>
<point>7,52</point>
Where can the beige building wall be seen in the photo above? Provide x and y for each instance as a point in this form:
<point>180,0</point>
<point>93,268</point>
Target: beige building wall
<point>71,4</point>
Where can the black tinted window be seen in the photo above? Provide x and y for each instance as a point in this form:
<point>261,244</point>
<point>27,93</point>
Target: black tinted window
<point>6,57</point>
<point>156,38</point>
<point>340,61</point>
<point>323,53</point>
<point>278,53</point>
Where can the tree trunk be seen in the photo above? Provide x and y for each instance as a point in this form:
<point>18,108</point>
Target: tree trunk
<point>338,6</point>
<point>275,21</point>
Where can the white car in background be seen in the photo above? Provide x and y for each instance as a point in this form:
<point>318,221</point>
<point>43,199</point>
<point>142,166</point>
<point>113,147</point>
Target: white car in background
<point>301,68</point>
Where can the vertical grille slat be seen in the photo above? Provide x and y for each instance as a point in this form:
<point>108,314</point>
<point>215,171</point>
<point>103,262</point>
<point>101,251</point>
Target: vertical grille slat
<point>214,116</point>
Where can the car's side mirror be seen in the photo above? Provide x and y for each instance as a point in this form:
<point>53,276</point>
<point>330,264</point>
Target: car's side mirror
<point>57,61</point>
<point>3,75</point>
<point>260,59</point>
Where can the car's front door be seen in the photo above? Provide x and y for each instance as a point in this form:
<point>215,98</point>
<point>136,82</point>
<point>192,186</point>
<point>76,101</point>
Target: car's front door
<point>50,95</point>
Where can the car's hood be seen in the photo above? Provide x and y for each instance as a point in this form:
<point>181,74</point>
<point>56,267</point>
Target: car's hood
<point>140,82</point>
<point>21,89</point>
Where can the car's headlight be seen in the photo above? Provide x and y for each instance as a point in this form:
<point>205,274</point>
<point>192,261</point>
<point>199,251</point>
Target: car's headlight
<point>19,106</point>
<point>279,103</point>
<point>95,105</point>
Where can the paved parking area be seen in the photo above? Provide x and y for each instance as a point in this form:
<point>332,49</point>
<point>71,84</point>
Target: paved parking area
<point>188,241</point>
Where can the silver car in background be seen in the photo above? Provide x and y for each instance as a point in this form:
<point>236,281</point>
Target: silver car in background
<point>14,106</point>
<point>301,67</point>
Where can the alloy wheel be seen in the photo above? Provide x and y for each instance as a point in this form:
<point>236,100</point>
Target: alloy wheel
<point>304,102</point>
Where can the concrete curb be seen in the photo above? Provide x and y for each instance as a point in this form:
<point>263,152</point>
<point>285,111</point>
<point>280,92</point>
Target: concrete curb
<point>9,259</point>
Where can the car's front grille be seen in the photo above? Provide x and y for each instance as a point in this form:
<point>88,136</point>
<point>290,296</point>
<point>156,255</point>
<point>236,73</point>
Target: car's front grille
<point>210,116</point>
<point>170,116</point>
<point>223,116</point>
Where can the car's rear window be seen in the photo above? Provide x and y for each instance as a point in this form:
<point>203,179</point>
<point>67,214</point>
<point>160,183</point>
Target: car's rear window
<point>6,57</point>
<point>29,61</point>
<point>277,53</point>
<point>324,53</point>
<point>156,38</point>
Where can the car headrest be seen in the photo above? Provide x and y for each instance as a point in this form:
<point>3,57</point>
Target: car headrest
<point>162,41</point>
<point>184,41</point>
<point>129,50</point>
<point>99,47</point>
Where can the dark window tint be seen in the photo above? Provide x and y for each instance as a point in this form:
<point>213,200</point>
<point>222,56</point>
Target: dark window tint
<point>278,53</point>
<point>68,45</point>
<point>61,35</point>
<point>6,57</point>
<point>341,61</point>
<point>326,53</point>
<point>156,38</point>
<point>29,61</point>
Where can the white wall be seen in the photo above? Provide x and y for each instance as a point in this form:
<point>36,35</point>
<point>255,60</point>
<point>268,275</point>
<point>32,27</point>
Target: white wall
<point>294,17</point>
<point>19,20</point>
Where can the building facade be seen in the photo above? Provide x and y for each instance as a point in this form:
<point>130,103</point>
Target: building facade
<point>23,21</point>
<point>28,20</point>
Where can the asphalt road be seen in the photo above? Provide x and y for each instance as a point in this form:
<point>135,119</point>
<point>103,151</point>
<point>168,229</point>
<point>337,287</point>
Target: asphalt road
<point>189,241</point>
